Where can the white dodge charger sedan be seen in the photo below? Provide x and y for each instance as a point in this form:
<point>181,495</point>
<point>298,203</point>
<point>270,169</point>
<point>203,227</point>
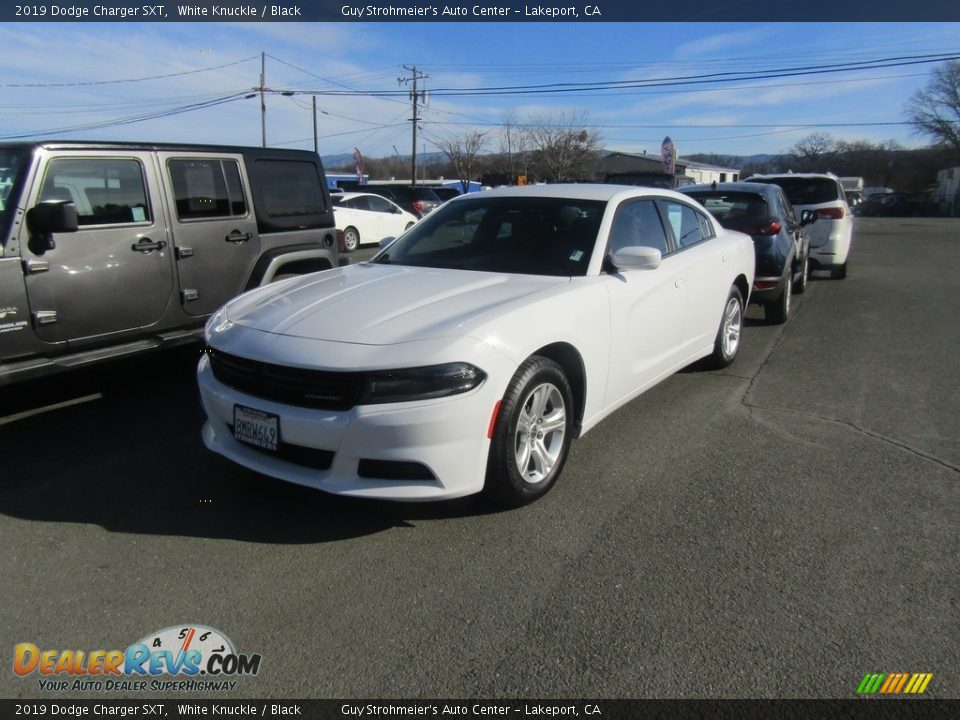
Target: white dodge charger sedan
<point>466,355</point>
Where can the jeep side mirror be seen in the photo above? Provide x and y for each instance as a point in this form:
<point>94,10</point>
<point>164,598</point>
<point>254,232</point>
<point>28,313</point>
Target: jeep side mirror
<point>47,218</point>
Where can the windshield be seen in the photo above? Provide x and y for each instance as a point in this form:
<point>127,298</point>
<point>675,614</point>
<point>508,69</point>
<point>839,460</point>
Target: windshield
<point>733,210</point>
<point>807,191</point>
<point>522,235</point>
<point>11,169</point>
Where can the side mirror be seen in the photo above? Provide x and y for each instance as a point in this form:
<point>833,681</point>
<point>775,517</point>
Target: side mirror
<point>47,218</point>
<point>807,217</point>
<point>53,216</point>
<point>386,241</point>
<point>637,257</point>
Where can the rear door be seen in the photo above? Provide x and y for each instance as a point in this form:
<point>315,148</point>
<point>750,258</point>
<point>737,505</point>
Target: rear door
<point>214,228</point>
<point>708,283</point>
<point>115,273</point>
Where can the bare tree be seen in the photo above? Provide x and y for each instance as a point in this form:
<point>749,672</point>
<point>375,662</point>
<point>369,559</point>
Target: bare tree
<point>935,110</point>
<point>564,148</point>
<point>462,152</point>
<point>814,151</point>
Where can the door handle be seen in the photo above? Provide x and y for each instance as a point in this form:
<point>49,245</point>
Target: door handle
<point>147,246</point>
<point>237,237</point>
<point>680,283</point>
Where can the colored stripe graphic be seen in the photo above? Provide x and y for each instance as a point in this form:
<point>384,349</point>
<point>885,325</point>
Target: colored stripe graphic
<point>894,683</point>
<point>870,683</point>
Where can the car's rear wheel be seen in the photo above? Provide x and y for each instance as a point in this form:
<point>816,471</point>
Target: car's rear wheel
<point>351,239</point>
<point>778,311</point>
<point>532,433</point>
<point>839,272</point>
<point>727,343</point>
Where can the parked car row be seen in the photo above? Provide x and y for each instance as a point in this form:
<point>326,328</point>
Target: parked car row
<point>464,357</point>
<point>799,223</point>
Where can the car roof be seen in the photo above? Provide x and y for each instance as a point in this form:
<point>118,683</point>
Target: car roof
<point>576,191</point>
<point>796,175</point>
<point>729,187</point>
<point>349,195</point>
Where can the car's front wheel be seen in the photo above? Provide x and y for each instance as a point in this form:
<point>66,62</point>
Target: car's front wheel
<point>351,239</point>
<point>532,433</point>
<point>727,343</point>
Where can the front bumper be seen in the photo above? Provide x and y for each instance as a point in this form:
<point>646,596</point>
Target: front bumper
<point>446,438</point>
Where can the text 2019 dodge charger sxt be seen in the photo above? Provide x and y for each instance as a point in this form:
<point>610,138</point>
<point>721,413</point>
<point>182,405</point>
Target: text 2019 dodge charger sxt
<point>466,355</point>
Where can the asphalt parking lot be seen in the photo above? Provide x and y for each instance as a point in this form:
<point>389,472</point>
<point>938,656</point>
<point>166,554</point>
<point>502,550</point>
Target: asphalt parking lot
<point>776,529</point>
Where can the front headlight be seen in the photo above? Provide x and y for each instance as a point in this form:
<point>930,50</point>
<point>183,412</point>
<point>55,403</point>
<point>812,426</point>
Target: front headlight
<point>217,323</point>
<point>420,383</point>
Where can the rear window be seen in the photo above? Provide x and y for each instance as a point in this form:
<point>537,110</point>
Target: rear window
<point>808,191</point>
<point>289,194</point>
<point>731,209</point>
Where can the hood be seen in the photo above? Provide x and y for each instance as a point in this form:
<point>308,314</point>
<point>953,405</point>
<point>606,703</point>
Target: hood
<point>374,304</point>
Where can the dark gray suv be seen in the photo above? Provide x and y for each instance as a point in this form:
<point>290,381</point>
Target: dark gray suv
<point>110,249</point>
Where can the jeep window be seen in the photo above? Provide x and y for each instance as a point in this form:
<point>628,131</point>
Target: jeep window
<point>11,166</point>
<point>106,191</point>
<point>207,188</point>
<point>290,187</point>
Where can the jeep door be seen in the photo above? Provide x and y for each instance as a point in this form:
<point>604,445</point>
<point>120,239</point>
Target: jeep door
<point>115,272</point>
<point>214,228</point>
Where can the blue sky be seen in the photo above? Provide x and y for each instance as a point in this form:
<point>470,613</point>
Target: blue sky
<point>73,68</point>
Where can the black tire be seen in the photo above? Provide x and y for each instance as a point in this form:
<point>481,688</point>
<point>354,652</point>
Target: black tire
<point>523,465</point>
<point>724,353</point>
<point>351,239</point>
<point>778,311</point>
<point>800,285</point>
<point>839,272</point>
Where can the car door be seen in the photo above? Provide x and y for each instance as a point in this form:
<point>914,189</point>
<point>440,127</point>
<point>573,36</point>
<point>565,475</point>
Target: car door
<point>646,306</point>
<point>797,232</point>
<point>115,272</point>
<point>390,222</point>
<point>214,227</point>
<point>707,282</point>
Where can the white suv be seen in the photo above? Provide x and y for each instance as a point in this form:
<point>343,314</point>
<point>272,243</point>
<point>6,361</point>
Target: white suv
<point>831,234</point>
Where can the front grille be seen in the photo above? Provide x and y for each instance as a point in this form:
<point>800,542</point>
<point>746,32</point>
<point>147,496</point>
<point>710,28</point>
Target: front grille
<point>319,389</point>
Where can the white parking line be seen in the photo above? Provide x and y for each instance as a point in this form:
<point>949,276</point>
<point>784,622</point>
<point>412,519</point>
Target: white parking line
<point>7,419</point>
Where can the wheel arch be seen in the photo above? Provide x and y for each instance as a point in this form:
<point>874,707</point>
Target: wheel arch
<point>741,282</point>
<point>571,361</point>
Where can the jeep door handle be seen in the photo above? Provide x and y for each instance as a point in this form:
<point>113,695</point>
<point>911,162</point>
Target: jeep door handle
<point>147,246</point>
<point>238,237</point>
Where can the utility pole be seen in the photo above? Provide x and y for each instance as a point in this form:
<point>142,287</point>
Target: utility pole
<point>315,123</point>
<point>263,104</point>
<point>416,96</point>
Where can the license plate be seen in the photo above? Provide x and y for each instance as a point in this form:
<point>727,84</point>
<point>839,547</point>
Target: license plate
<point>256,427</point>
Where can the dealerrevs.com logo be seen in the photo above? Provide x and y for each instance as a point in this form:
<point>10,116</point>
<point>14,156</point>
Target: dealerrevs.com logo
<point>187,658</point>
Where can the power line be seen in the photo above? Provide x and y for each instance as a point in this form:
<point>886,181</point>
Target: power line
<point>126,80</point>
